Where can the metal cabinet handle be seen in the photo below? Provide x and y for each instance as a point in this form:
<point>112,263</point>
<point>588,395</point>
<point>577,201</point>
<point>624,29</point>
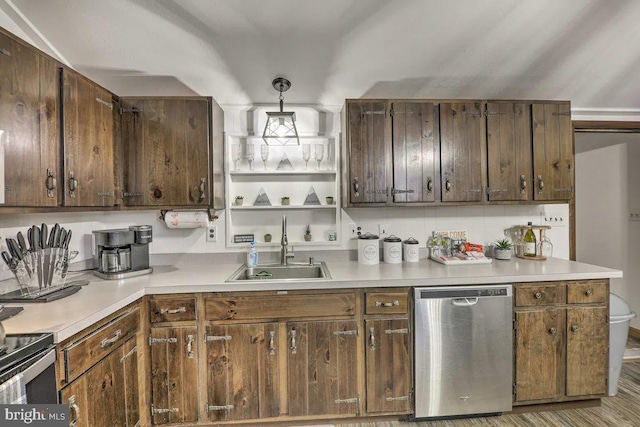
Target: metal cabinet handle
<point>447,186</point>
<point>202,188</point>
<point>372,339</point>
<point>73,185</point>
<point>293,347</point>
<point>356,187</point>
<point>552,331</point>
<point>537,295</point>
<point>589,292</point>
<point>174,311</point>
<point>429,185</point>
<point>574,328</point>
<point>74,411</point>
<point>272,347</point>
<point>108,341</point>
<point>523,183</point>
<point>190,346</point>
<point>50,183</point>
<point>393,303</point>
<point>540,184</point>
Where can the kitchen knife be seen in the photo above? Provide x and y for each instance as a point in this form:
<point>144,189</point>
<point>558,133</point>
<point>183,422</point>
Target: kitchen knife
<point>52,237</point>
<point>65,246</point>
<point>35,236</point>
<point>44,236</point>
<point>14,249</point>
<point>22,243</point>
<point>46,254</point>
<point>53,248</point>
<point>9,261</point>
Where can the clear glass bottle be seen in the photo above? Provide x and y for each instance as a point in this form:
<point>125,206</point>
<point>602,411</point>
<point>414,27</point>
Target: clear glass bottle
<point>529,242</point>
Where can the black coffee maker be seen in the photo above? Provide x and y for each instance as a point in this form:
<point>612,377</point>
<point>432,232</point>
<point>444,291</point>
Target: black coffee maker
<point>123,252</point>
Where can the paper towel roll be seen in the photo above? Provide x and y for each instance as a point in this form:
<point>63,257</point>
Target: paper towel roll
<point>175,219</point>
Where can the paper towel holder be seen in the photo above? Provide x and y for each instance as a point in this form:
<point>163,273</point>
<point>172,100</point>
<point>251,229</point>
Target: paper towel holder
<point>210,214</point>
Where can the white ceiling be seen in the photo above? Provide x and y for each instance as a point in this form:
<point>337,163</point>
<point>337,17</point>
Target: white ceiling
<point>582,50</point>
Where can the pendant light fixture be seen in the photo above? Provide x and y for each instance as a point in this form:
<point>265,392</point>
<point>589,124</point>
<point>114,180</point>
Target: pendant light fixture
<point>281,125</point>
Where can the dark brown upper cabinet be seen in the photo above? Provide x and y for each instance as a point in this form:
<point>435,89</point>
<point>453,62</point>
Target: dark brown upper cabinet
<point>553,154</point>
<point>88,142</point>
<point>509,151</point>
<point>29,125</point>
<point>167,151</point>
<point>462,151</point>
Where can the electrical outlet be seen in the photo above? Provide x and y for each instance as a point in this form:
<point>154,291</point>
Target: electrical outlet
<point>383,229</point>
<point>355,229</point>
<point>212,233</point>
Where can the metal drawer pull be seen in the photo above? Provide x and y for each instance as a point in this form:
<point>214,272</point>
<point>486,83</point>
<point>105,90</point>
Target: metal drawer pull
<point>293,347</point>
<point>162,340</point>
<point>211,408</point>
<point>397,399</point>
<point>552,331</point>
<point>396,331</point>
<point>429,185</point>
<point>209,338</point>
<point>537,295</point>
<point>190,346</point>
<point>272,347</point>
<point>356,187</point>
<point>540,184</point>
<point>523,183</point>
<point>155,411</point>
<point>574,328</point>
<point>126,356</point>
<point>393,303</point>
<point>174,311</point>
<point>50,183</point>
<point>372,339</point>
<point>352,332</point>
<point>74,411</point>
<point>73,184</point>
<point>202,188</point>
<point>589,292</point>
<point>447,186</point>
<point>352,400</point>
<point>108,341</point>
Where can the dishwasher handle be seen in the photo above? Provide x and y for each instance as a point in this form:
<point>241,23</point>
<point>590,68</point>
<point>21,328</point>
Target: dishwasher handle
<point>464,302</point>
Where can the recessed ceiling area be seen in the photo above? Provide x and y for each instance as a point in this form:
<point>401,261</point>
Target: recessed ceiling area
<point>335,49</point>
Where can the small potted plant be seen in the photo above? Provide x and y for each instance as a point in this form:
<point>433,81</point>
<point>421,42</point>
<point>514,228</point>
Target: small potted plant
<point>239,200</point>
<point>285,201</point>
<point>329,200</point>
<point>307,233</point>
<point>267,237</point>
<point>502,249</point>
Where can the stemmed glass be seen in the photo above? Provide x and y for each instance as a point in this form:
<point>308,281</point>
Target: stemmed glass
<point>306,154</point>
<point>248,155</point>
<point>236,154</point>
<point>264,154</point>
<point>319,154</point>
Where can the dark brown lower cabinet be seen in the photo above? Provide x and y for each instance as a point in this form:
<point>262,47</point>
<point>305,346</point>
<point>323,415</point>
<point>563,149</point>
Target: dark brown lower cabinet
<point>107,394</point>
<point>174,379</point>
<point>388,366</point>
<point>243,375</point>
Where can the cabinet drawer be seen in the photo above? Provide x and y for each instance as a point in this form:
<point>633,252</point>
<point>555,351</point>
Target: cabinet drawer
<point>172,310</point>
<point>533,294</point>
<point>386,303</point>
<point>80,355</point>
<point>279,306</point>
<point>588,291</point>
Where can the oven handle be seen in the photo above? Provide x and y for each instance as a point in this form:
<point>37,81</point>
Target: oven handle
<point>39,367</point>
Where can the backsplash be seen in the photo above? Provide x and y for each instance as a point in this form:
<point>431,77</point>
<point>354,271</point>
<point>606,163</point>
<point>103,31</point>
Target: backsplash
<point>484,224</point>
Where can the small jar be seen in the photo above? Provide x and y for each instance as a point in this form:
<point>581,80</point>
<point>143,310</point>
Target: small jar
<point>411,250</point>
<point>392,250</point>
<point>368,245</point>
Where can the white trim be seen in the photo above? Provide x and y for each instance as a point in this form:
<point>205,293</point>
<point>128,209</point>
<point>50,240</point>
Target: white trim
<point>606,114</point>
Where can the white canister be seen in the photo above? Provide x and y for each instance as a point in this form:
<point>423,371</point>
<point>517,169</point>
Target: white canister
<point>392,250</point>
<point>411,249</point>
<point>368,249</point>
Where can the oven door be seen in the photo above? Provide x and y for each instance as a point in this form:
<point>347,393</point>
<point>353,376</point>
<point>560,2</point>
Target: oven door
<point>38,376</point>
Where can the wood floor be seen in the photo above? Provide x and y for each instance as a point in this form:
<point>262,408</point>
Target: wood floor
<point>621,410</point>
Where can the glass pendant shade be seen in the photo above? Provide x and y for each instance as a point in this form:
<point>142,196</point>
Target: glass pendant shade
<point>281,125</point>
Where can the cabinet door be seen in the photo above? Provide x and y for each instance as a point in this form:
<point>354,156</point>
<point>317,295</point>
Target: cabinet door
<point>509,150</point>
<point>553,156</point>
<point>416,152</point>
<point>243,376</point>
<point>100,393</point>
<point>367,152</point>
<point>587,351</point>
<point>129,361</point>
<point>388,366</point>
<point>166,147</point>
<point>174,379</point>
<point>29,125</point>
<point>461,151</point>
<point>88,143</point>
<point>322,368</point>
<point>540,355</point>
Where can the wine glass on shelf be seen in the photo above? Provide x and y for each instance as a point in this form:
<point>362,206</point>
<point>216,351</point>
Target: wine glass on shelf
<point>264,154</point>
<point>306,154</point>
<point>236,154</point>
<point>318,154</point>
<point>249,154</point>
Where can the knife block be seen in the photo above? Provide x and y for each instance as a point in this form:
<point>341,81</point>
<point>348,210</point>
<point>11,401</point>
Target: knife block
<point>43,271</point>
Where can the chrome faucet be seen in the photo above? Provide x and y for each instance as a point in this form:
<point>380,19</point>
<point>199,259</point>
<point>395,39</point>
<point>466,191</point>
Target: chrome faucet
<point>284,242</point>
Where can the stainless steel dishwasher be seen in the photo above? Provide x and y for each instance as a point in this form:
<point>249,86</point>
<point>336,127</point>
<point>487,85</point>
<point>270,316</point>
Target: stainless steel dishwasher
<point>463,350</point>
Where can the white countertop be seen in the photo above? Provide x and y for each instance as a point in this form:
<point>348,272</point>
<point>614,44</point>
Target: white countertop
<point>100,298</point>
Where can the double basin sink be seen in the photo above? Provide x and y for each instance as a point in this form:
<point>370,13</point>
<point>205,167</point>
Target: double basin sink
<point>309,272</point>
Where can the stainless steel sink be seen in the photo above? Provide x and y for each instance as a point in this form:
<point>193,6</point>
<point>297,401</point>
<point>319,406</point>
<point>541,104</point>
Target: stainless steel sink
<point>290,273</point>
